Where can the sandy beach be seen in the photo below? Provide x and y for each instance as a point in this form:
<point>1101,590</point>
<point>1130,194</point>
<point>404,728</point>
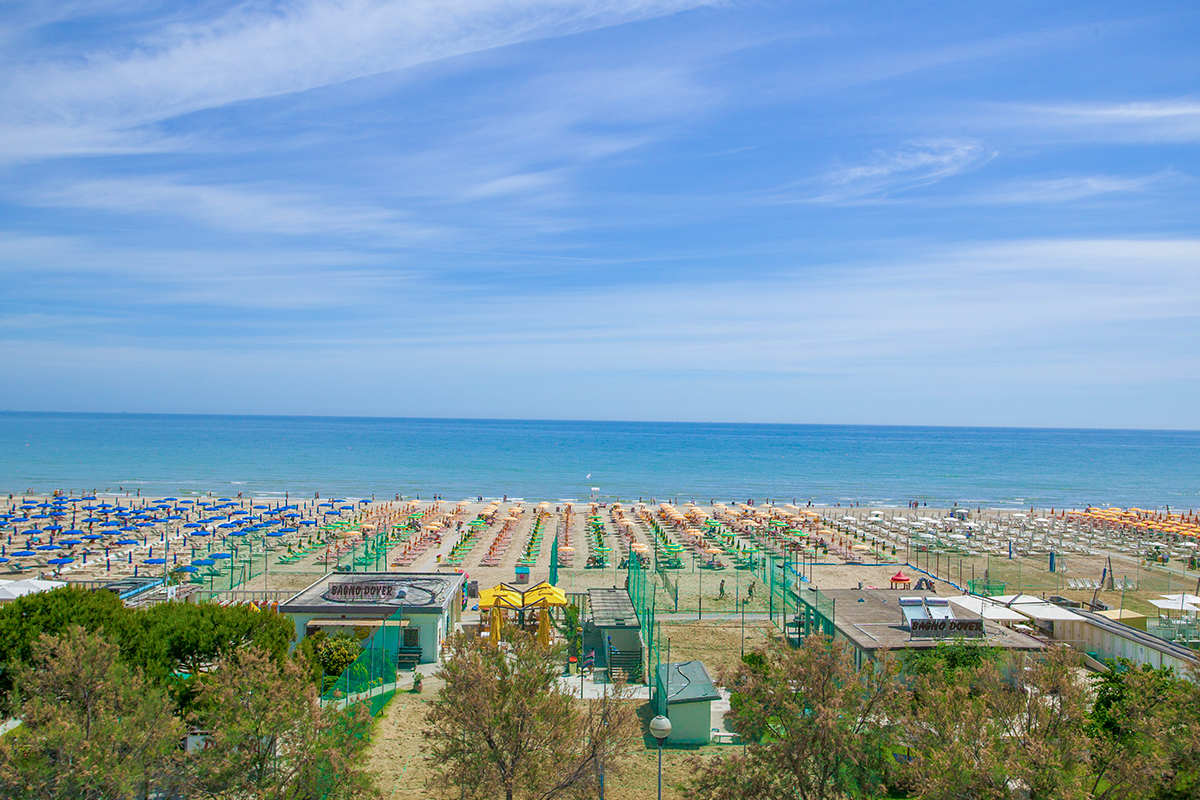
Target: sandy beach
<point>276,546</point>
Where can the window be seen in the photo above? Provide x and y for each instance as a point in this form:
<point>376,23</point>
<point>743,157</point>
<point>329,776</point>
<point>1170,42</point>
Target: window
<point>412,637</point>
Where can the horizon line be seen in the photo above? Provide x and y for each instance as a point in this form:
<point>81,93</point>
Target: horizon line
<point>1114,429</point>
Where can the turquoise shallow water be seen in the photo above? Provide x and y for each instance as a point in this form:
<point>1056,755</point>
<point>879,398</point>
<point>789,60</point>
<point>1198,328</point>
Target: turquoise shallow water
<point>359,457</point>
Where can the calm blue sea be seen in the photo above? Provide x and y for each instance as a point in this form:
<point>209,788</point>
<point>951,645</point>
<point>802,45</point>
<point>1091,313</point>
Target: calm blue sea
<point>546,460</point>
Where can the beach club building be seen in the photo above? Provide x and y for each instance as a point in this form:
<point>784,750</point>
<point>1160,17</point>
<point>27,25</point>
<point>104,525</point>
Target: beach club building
<point>1098,635</point>
<point>875,621</point>
<point>405,612</point>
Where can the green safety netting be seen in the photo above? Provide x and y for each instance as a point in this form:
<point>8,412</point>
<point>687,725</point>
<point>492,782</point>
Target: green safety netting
<point>374,667</point>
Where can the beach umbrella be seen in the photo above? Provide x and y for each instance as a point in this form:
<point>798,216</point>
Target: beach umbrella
<point>23,554</point>
<point>155,561</point>
<point>219,555</point>
<point>203,562</point>
<point>495,621</point>
<point>58,562</point>
<point>48,547</point>
<point>123,542</point>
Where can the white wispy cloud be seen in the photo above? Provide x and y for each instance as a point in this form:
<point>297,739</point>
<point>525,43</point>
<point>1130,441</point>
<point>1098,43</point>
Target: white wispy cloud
<point>253,51</point>
<point>234,207</point>
<point>1070,188</point>
<point>885,173</point>
<point>1171,120</point>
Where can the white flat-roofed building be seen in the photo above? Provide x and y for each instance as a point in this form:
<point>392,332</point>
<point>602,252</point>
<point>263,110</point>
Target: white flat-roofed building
<point>409,610</point>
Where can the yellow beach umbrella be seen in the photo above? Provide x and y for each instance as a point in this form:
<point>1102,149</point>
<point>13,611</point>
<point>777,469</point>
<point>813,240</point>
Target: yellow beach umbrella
<point>544,627</point>
<point>545,595</point>
<point>495,622</point>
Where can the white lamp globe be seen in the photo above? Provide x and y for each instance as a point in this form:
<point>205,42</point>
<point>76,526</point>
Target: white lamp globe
<point>660,727</point>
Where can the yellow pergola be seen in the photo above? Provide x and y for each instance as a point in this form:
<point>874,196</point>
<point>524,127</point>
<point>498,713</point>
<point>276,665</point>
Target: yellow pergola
<point>504,597</point>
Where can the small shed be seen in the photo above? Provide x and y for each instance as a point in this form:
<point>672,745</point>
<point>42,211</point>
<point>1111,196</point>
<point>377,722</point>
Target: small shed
<point>689,694</point>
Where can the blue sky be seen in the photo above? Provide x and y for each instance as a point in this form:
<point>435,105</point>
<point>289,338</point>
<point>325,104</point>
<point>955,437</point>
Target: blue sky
<point>935,213</point>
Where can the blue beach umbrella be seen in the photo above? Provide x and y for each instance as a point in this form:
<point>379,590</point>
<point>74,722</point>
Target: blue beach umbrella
<point>219,556</point>
<point>58,562</point>
<point>155,561</point>
<point>48,547</point>
<point>123,542</point>
<point>91,537</point>
<point>69,542</point>
<point>203,562</point>
<point>188,568</point>
<point>23,554</point>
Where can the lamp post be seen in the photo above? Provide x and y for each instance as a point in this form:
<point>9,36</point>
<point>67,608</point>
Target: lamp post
<point>660,728</point>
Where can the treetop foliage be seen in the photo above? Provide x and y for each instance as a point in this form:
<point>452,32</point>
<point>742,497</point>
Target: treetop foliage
<point>170,643</point>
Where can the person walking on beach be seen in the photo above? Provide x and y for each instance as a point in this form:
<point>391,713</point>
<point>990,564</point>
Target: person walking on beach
<point>721,596</point>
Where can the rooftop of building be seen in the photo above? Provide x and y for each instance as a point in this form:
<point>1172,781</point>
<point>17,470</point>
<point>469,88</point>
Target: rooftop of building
<point>612,608</point>
<point>375,594</point>
<point>872,619</point>
<point>686,682</point>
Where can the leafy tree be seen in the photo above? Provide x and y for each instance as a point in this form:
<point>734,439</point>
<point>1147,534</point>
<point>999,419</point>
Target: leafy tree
<point>1145,737</point>
<point>1046,704</point>
<point>168,642</point>
<point>501,726</point>
<point>818,727</point>
<point>949,658</point>
<point>192,638</point>
<point>25,619</point>
<point>335,653</point>
<point>988,732</point>
<point>268,737</point>
<point>571,630</point>
<point>92,728</point>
